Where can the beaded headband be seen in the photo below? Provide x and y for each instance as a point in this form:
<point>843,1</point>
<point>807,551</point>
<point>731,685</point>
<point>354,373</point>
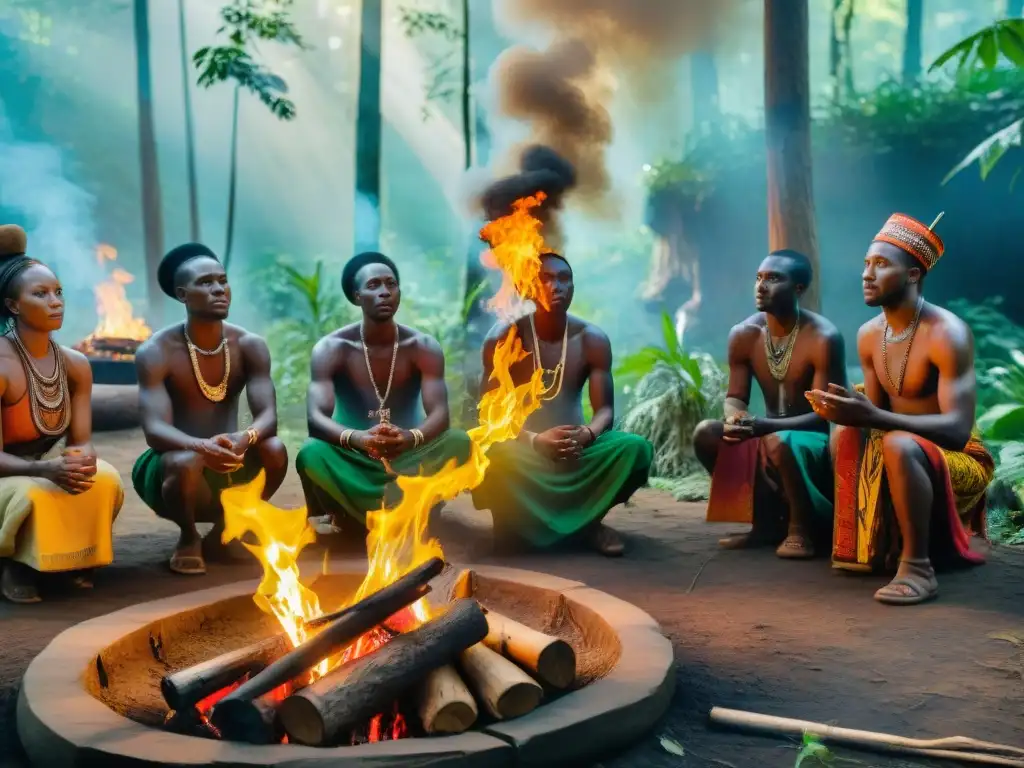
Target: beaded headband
<point>910,235</point>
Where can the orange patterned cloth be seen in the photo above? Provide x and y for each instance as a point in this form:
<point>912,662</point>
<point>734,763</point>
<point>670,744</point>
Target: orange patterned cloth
<point>910,235</point>
<point>866,536</point>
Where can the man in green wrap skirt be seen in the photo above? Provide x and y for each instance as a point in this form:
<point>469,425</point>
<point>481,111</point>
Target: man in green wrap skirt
<point>377,405</point>
<point>560,478</point>
<point>775,472</point>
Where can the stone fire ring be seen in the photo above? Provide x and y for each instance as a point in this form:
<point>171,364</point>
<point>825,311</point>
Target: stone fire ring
<point>61,725</point>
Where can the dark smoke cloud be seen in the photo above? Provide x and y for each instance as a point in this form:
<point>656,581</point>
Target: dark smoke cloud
<point>562,92</point>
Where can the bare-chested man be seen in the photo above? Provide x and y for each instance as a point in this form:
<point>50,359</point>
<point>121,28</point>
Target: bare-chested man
<point>191,375</point>
<point>562,476</point>
<point>376,392</point>
<point>765,469</point>
<point>912,452</point>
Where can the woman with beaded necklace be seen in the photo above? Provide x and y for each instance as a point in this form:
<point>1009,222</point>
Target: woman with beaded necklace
<point>58,501</point>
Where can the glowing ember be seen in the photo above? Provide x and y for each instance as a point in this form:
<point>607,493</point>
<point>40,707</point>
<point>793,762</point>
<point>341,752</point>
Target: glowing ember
<point>397,538</point>
<point>116,316</point>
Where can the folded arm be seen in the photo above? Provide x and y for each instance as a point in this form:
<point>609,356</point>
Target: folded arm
<point>15,466</point>
<point>434,391</point>
<point>80,383</point>
<point>597,351</point>
<point>321,393</point>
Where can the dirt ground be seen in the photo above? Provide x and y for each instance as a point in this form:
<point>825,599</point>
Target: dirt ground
<point>750,631</point>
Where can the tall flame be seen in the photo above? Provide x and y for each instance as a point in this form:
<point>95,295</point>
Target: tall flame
<point>397,539</point>
<point>116,316</point>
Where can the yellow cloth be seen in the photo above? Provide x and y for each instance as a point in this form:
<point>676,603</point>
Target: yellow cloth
<point>48,529</point>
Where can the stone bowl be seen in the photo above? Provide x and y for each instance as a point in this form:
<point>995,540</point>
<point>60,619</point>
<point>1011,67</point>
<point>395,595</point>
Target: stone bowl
<point>92,696</point>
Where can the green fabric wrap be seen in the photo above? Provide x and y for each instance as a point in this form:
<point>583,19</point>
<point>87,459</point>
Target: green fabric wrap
<point>340,480</point>
<point>148,478</point>
<point>544,502</point>
<point>811,452</point>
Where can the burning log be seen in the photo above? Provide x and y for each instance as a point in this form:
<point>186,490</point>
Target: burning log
<point>550,659</point>
<point>502,687</point>
<point>445,704</point>
<point>254,723</point>
<point>331,707</point>
<point>237,707</point>
<point>187,687</point>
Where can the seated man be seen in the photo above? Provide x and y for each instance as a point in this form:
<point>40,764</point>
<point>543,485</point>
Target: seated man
<point>561,477</point>
<point>910,454</point>
<point>195,446</point>
<point>58,502</point>
<point>377,404</point>
<point>774,472</point>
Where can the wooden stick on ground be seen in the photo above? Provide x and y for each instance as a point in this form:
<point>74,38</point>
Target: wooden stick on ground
<point>444,703</point>
<point>363,617</point>
<point>187,687</point>
<point>954,747</point>
<point>329,708</point>
<point>502,687</point>
<point>550,659</point>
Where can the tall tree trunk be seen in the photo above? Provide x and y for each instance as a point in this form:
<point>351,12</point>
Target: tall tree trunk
<point>1014,9</point>
<point>849,85</point>
<point>152,209</point>
<point>467,87</point>
<point>229,239</point>
<point>190,130</point>
<point>368,122</point>
<point>704,84</point>
<point>788,135</point>
<point>912,42</point>
<point>834,51</point>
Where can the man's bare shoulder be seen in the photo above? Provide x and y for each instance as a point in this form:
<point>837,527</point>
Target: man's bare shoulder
<point>335,343</point>
<point>593,336</point>
<point>153,349</point>
<point>945,326</point>
<point>500,330</point>
<point>821,326</point>
<point>746,331</point>
<point>422,341</point>
<point>871,330</point>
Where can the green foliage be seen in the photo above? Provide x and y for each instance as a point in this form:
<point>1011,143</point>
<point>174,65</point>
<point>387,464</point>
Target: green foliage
<point>246,22</point>
<point>444,70</point>
<point>813,752</point>
<point>985,50</point>
<point>674,390</point>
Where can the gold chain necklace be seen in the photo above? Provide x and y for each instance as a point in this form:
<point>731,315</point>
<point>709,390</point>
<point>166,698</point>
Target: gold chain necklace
<point>384,414</point>
<point>779,359</point>
<point>910,331</point>
<point>559,370</point>
<point>49,397</point>
<point>216,393</point>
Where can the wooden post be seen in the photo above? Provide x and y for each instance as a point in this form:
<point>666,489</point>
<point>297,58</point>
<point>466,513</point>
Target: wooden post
<point>502,687</point>
<point>444,703</point>
<point>322,713</point>
<point>787,109</point>
<point>550,659</point>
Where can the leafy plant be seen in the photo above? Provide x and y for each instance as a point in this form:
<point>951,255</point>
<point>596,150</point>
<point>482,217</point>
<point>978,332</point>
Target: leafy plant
<point>246,22</point>
<point>813,752</point>
<point>674,390</point>
<point>984,50</point>
<point>444,71</point>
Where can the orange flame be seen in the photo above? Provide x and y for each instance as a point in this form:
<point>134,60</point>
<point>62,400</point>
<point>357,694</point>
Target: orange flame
<point>397,539</point>
<point>116,316</point>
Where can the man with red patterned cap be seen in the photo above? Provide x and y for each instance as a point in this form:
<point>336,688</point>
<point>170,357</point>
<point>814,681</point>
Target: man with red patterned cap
<point>911,475</point>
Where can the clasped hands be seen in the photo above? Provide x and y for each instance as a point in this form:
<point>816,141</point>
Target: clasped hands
<point>563,443</point>
<point>224,453</point>
<point>842,406</point>
<point>383,441</point>
<point>74,471</point>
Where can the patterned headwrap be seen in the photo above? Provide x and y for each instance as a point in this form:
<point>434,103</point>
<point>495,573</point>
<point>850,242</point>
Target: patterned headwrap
<point>910,235</point>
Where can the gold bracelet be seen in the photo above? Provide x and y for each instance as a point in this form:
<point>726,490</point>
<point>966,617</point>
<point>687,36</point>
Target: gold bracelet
<point>345,436</point>
<point>417,438</point>
<point>254,436</point>
<point>531,436</point>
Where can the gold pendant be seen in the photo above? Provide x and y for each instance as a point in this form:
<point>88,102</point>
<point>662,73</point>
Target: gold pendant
<point>384,414</point>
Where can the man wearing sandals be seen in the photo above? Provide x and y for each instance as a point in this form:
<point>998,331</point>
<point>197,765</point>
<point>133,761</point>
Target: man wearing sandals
<point>191,375</point>
<point>911,475</point>
<point>775,472</point>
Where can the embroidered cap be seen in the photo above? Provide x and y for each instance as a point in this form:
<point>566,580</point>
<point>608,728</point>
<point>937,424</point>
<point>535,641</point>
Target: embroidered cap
<point>910,235</point>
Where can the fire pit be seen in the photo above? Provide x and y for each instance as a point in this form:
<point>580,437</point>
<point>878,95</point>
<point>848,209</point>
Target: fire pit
<point>111,350</point>
<point>484,681</point>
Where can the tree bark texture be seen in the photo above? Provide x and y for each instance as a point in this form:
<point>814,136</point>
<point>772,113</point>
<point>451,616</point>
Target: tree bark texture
<point>368,123</point>
<point>788,135</point>
<point>912,42</point>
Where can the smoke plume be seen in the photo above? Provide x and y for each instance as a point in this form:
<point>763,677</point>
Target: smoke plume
<point>595,46</point>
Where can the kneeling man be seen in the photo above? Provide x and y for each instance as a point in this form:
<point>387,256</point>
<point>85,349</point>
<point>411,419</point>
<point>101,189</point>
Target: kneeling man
<point>377,404</point>
<point>562,476</point>
<point>911,474</point>
<point>774,472</point>
<point>191,425</point>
